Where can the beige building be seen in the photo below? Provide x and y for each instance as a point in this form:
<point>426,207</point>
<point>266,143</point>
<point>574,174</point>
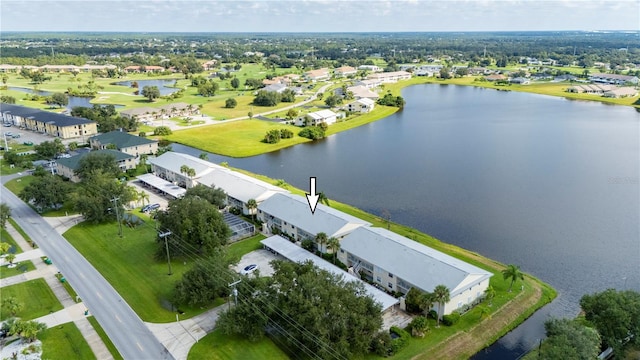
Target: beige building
<point>50,123</point>
<point>129,144</point>
<point>67,166</point>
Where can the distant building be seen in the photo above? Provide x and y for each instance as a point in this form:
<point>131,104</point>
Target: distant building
<point>67,166</point>
<point>361,92</point>
<point>315,118</point>
<point>317,75</point>
<point>345,71</point>
<point>124,142</point>
<point>390,77</point>
<point>46,122</point>
<point>621,92</point>
<point>370,68</point>
<point>614,79</point>
<point>363,105</point>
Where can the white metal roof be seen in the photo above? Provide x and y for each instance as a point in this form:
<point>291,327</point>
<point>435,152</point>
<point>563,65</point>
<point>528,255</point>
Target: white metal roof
<point>162,185</point>
<point>295,253</point>
<point>295,210</point>
<point>413,262</point>
<point>172,161</point>
<point>239,186</point>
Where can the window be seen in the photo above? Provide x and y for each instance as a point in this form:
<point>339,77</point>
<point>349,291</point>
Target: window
<point>341,251</point>
<point>390,286</point>
<point>378,279</point>
<point>391,275</point>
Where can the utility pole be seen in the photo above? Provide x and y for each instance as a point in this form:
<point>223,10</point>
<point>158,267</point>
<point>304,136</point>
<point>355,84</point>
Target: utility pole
<point>234,292</point>
<point>166,246</point>
<point>115,205</point>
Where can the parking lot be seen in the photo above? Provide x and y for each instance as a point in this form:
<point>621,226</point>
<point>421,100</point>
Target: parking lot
<point>262,258</point>
<point>27,136</point>
<point>154,197</point>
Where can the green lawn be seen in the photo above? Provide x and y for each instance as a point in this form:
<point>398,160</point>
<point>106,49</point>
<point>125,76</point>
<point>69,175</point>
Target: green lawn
<point>238,138</point>
<point>5,237</point>
<point>21,268</point>
<point>105,339</point>
<point>217,346</point>
<point>65,342</point>
<point>35,296</point>
<point>236,250</point>
<point>129,266</point>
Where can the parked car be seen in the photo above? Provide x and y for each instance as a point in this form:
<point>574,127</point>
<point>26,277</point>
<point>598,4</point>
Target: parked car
<point>149,207</point>
<point>249,269</point>
<point>15,136</point>
<point>8,133</point>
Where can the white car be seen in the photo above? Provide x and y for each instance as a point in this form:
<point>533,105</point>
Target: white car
<point>249,269</point>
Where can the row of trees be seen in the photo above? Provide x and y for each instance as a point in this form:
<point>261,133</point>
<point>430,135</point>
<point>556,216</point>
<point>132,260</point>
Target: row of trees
<point>106,117</point>
<point>272,98</point>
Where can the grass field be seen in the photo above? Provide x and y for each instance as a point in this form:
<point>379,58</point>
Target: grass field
<point>65,342</point>
<point>236,250</point>
<point>217,346</point>
<point>122,261</point>
<point>21,268</point>
<point>36,298</point>
<point>105,339</point>
<point>5,237</point>
<point>238,138</point>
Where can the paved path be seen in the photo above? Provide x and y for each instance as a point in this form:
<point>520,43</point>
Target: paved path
<point>72,311</point>
<point>113,313</point>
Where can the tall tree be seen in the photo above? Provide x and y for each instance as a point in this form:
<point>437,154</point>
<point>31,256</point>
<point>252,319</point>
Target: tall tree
<point>46,192</point>
<point>196,226</point>
<point>95,196</point>
<point>321,239</point>
<point>512,272</point>
<point>151,92</point>
<point>93,161</point>
<point>301,299</point>
<point>569,339</point>
<point>49,149</point>
<point>215,196</point>
<point>334,245</point>
<point>5,214</point>
<point>207,280</point>
<point>235,83</point>
<point>59,99</point>
<point>442,296</point>
<point>616,315</point>
<point>252,205</point>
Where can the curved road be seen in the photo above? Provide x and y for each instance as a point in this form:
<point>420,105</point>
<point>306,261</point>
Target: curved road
<point>123,326</point>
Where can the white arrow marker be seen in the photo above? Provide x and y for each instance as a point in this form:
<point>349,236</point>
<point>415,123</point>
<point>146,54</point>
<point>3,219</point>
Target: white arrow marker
<point>312,198</point>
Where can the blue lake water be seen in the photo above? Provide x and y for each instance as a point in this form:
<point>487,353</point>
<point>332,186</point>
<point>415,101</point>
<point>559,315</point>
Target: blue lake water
<point>163,85</point>
<point>544,182</point>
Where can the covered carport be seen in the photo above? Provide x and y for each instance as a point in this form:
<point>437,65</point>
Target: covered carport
<point>163,186</point>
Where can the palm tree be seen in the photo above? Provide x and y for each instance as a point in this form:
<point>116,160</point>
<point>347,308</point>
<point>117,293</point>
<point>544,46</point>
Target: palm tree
<point>490,293</point>
<point>252,205</point>
<point>12,305</point>
<point>4,247</point>
<point>322,198</point>
<point>512,272</point>
<point>10,257</point>
<point>442,296</point>
<point>426,302</point>
<point>484,311</point>
<point>321,239</point>
<point>203,156</point>
<point>334,244</point>
<point>142,195</point>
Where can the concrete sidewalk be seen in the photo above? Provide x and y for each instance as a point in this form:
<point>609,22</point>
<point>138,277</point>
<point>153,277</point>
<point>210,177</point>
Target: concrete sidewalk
<point>178,337</point>
<point>72,311</point>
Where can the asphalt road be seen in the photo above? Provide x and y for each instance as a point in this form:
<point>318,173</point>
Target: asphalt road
<point>123,326</point>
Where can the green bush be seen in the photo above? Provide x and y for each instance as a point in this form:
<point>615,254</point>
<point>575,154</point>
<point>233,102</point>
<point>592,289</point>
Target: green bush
<point>398,343</point>
<point>451,319</point>
<point>381,344</point>
<point>286,134</point>
<point>272,137</point>
<point>162,130</point>
<point>312,132</point>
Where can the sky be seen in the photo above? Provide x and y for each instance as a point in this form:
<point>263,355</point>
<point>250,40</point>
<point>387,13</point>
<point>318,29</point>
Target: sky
<point>318,15</point>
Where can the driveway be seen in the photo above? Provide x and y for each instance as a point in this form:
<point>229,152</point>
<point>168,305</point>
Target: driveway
<point>262,258</point>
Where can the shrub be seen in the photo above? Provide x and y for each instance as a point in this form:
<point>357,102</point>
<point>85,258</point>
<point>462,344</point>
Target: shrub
<point>142,134</point>
<point>419,326</point>
<point>399,342</point>
<point>308,245</point>
<point>433,314</point>
<point>272,137</point>
<point>230,103</point>
<point>162,130</point>
<point>451,319</point>
<point>381,344</point>
<point>312,132</point>
<point>286,134</point>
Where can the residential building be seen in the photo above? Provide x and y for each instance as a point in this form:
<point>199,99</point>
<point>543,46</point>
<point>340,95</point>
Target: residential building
<point>46,122</point>
<point>209,65</point>
<point>315,118</point>
<point>363,105</point>
<point>292,252</point>
<point>361,92</point>
<point>144,69</point>
<point>168,167</point>
<point>67,166</point>
<point>520,80</point>
<point>398,264</point>
<point>317,75</point>
<point>165,111</point>
<point>276,87</point>
<point>496,77</point>
<point>345,71</point>
<point>370,68</point>
<point>621,92</point>
<point>390,77</point>
<point>614,79</point>
<point>591,89</point>
<point>289,215</point>
<point>124,142</point>
<point>368,83</point>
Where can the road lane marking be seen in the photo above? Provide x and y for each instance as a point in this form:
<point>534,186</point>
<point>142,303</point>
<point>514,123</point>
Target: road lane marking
<point>117,318</point>
<point>140,346</point>
<point>100,296</point>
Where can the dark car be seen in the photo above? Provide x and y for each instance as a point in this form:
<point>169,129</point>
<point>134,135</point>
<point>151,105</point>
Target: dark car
<point>149,207</point>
